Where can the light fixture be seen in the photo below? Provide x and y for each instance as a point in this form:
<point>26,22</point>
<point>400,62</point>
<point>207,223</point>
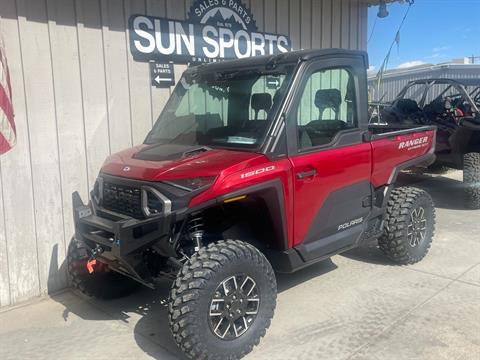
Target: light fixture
<point>382,10</point>
<point>192,184</point>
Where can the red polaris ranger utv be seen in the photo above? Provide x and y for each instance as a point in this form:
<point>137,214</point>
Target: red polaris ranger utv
<point>254,166</point>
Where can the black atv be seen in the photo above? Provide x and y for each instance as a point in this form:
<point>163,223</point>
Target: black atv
<point>451,105</point>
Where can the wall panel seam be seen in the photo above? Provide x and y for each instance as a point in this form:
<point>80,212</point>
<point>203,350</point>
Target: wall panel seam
<point>107,106</point>
<point>29,149</point>
<point>5,236</point>
<point>128,73</point>
<point>359,16</point>
<point>56,126</point>
<point>311,23</point>
<point>147,11</point>
<point>288,20</point>
<point>300,32</point>
<point>341,23</point>
<point>331,21</point>
<point>81,92</point>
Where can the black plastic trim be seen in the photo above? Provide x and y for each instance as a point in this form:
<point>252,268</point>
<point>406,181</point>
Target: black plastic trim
<point>341,206</point>
<point>399,132</point>
<point>276,205</point>
<point>424,160</point>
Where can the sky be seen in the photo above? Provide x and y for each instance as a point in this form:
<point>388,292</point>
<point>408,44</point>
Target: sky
<point>435,31</point>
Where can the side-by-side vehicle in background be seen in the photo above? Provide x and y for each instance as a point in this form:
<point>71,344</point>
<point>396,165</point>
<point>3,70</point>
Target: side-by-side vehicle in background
<point>254,166</point>
<point>453,107</point>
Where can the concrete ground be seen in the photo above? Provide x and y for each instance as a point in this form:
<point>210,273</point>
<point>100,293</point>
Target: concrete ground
<point>355,306</point>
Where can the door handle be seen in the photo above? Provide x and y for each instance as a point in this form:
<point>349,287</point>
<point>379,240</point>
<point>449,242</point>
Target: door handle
<point>306,174</point>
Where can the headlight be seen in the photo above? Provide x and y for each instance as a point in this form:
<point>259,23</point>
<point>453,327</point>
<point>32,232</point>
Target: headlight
<point>193,183</point>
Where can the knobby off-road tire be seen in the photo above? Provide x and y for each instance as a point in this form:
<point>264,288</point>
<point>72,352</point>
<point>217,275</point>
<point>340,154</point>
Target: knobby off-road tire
<point>471,180</point>
<point>203,289</point>
<point>409,225</point>
<point>103,283</point>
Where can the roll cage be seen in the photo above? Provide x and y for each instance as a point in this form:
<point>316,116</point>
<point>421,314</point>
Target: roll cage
<point>472,97</point>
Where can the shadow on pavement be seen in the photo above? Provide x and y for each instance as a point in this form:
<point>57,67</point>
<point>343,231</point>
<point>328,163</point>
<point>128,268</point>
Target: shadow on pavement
<point>146,311</point>
<point>288,281</point>
<point>368,254</point>
<point>447,193</point>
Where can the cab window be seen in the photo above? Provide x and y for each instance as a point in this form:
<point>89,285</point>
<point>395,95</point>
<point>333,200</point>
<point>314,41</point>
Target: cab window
<point>326,107</point>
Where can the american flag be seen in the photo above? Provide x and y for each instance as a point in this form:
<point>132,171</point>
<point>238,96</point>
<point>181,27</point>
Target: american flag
<point>8,132</point>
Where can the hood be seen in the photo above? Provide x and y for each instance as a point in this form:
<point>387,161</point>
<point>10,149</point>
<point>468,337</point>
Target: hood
<point>174,161</point>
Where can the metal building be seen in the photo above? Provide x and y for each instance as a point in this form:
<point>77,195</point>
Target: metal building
<point>394,81</point>
<point>79,95</point>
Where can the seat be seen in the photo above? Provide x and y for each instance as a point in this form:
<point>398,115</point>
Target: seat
<point>261,101</point>
<point>328,99</point>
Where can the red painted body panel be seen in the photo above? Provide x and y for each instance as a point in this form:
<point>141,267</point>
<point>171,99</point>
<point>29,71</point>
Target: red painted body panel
<point>335,169</point>
<point>232,180</point>
<point>387,154</point>
<point>210,163</point>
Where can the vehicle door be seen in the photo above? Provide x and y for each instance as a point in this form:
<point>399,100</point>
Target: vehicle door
<point>331,163</point>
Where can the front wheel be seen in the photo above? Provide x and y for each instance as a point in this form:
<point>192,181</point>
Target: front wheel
<point>222,301</point>
<point>471,179</point>
<point>409,225</point>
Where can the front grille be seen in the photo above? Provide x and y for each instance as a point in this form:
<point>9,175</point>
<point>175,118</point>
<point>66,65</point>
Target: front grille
<point>122,199</point>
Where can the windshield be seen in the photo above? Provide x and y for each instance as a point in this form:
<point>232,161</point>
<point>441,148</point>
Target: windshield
<point>228,109</point>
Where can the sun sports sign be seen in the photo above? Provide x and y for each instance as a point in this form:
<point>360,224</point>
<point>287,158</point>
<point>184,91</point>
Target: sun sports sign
<point>214,30</point>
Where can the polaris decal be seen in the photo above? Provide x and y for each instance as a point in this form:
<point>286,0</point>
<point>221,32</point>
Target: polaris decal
<point>414,144</point>
<point>350,224</point>
<point>257,172</point>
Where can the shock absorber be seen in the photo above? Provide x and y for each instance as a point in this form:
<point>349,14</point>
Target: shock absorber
<point>195,230</point>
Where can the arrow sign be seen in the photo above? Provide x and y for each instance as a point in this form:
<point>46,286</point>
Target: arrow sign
<point>273,82</point>
<point>162,74</point>
<point>158,79</point>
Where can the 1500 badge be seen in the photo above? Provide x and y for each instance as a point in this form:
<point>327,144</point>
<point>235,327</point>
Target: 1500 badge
<point>257,172</point>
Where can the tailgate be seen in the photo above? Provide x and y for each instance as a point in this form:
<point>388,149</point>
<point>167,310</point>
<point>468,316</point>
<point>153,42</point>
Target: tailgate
<point>399,150</point>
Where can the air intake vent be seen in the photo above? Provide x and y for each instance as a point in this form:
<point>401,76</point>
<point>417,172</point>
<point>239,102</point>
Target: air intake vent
<point>123,199</point>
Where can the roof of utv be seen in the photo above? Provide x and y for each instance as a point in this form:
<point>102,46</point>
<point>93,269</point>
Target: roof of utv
<point>284,58</point>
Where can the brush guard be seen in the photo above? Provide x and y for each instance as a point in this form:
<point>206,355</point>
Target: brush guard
<point>121,238</point>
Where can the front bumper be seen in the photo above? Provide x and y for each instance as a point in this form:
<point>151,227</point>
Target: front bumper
<point>118,240</point>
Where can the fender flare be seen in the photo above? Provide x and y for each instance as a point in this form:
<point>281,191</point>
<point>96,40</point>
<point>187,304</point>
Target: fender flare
<point>272,193</point>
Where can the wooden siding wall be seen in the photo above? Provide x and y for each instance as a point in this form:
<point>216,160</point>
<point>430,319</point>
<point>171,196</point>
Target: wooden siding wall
<point>79,96</point>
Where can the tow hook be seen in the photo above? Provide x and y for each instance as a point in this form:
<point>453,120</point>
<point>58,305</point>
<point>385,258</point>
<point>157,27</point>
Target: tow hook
<point>93,261</point>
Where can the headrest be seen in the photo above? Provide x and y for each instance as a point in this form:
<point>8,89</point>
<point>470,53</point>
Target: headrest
<point>328,98</point>
<point>261,101</point>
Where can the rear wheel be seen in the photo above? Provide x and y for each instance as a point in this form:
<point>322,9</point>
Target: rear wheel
<point>102,283</point>
<point>222,301</point>
<point>471,180</point>
<point>409,225</point>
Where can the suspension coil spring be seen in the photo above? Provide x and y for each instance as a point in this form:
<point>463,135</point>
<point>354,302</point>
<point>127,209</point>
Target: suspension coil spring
<point>195,230</point>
